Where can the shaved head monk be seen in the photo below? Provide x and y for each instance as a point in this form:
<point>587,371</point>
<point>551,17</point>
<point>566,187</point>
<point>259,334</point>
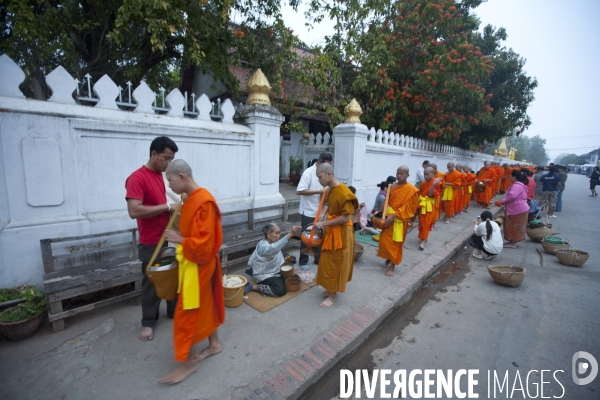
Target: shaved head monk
<point>488,176</point>
<point>200,307</point>
<point>402,205</point>
<point>427,193</point>
<point>452,185</point>
<point>438,194</point>
<point>337,250</point>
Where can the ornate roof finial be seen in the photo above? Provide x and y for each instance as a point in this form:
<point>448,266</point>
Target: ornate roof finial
<point>502,151</point>
<point>258,89</point>
<point>352,112</point>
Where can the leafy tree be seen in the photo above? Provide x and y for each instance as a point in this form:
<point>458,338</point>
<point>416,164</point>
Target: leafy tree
<point>139,39</point>
<point>558,158</point>
<point>572,159</point>
<point>535,151</point>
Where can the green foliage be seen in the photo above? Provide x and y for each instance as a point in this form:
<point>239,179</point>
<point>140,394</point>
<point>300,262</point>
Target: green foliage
<point>572,159</point>
<point>35,304</point>
<point>296,165</point>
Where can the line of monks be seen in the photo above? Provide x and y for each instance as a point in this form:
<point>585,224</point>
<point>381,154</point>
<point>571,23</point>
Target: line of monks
<point>451,192</point>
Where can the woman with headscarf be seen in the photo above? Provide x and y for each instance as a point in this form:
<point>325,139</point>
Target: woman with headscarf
<point>517,209</point>
<point>487,239</point>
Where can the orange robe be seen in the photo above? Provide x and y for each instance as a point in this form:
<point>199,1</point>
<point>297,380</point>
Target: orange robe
<point>337,263</point>
<point>438,196</point>
<point>484,198</point>
<point>459,203</point>
<point>200,224</point>
<point>404,200</point>
<point>426,208</point>
<point>451,191</point>
<point>469,188</point>
<point>500,175</point>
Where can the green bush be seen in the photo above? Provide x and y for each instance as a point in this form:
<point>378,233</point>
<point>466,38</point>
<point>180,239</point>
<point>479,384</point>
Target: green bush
<point>296,166</point>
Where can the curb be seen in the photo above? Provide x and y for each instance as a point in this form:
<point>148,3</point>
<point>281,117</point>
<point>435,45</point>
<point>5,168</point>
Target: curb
<point>298,372</point>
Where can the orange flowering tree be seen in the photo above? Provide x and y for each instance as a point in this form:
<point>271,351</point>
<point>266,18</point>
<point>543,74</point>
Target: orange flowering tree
<point>420,72</point>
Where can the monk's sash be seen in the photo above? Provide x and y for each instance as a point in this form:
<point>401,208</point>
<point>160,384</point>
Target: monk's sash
<point>333,235</point>
<point>470,189</point>
<point>188,280</point>
<point>398,228</point>
<point>447,193</point>
<point>426,203</point>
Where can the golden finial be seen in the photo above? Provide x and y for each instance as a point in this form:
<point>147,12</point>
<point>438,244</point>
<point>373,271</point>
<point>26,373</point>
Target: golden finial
<point>258,89</point>
<point>502,151</point>
<point>352,112</point>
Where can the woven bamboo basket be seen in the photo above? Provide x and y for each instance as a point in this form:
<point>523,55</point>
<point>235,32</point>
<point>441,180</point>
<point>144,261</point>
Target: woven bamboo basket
<point>572,257</point>
<point>507,275</point>
<point>536,235</point>
<point>358,250</point>
<point>553,243</point>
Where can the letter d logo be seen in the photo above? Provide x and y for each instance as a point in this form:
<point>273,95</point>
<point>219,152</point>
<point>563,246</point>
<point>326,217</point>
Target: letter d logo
<point>583,367</point>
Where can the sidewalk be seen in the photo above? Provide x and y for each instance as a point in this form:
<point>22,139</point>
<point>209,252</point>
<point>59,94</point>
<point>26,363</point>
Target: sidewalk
<point>275,355</point>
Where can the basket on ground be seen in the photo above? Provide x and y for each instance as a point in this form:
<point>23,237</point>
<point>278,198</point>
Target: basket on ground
<point>536,235</point>
<point>358,250</point>
<point>286,269</point>
<point>292,284</point>
<point>553,243</point>
<point>572,257</point>
<point>507,275</point>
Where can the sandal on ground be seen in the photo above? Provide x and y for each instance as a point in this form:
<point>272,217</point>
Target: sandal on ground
<point>477,256</point>
<point>506,246</point>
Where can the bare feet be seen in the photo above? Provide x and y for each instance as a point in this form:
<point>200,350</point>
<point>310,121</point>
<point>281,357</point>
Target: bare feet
<point>390,271</point>
<point>325,293</point>
<point>447,221</point>
<point>147,333</point>
<point>206,352</point>
<point>387,262</point>
<point>181,373</point>
<point>328,301</point>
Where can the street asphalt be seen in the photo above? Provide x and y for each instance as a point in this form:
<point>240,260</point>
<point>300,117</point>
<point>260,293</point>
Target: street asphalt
<point>280,353</point>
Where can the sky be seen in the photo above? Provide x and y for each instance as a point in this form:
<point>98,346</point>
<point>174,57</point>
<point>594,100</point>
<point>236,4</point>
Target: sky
<point>560,41</point>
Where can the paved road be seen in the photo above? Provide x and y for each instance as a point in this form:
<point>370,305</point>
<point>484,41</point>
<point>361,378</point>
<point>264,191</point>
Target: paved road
<point>463,320</point>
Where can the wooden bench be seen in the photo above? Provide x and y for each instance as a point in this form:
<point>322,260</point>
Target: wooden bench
<point>84,265</point>
<point>237,248</point>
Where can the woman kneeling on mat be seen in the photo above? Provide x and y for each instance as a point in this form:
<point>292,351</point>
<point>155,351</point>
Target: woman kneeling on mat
<point>487,237</point>
<point>266,261</point>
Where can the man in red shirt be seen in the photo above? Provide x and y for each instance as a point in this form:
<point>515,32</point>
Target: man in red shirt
<point>147,202</point>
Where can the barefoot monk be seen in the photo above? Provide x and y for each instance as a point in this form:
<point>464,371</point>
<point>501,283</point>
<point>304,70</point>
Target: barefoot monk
<point>200,307</point>
<point>403,203</point>
<point>429,188</point>
<point>337,250</point>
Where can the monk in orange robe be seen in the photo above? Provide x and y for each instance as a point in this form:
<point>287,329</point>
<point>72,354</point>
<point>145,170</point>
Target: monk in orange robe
<point>486,175</point>
<point>403,203</point>
<point>471,177</point>
<point>427,193</point>
<point>438,193</point>
<point>460,198</point>
<point>452,180</point>
<point>506,178</point>
<point>500,175</point>
<point>200,306</point>
<point>337,250</point>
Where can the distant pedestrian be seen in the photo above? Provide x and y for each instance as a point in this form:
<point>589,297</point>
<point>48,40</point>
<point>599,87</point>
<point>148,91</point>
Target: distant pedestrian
<point>421,174</point>
<point>562,173</point>
<point>594,180</point>
<point>550,183</point>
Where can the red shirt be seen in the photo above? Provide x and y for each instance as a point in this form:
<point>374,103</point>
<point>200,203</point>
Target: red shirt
<point>531,186</point>
<point>149,187</point>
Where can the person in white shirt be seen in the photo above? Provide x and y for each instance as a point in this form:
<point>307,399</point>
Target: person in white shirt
<point>421,174</point>
<point>487,239</point>
<point>310,191</point>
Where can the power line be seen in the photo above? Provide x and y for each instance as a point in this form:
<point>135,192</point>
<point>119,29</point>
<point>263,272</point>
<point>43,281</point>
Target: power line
<point>574,148</point>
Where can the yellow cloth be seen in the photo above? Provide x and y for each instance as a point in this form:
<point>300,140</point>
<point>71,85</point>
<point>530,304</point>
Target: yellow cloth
<point>447,193</point>
<point>398,232</point>
<point>426,203</point>
<point>188,280</point>
<point>470,189</point>
<point>333,235</point>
